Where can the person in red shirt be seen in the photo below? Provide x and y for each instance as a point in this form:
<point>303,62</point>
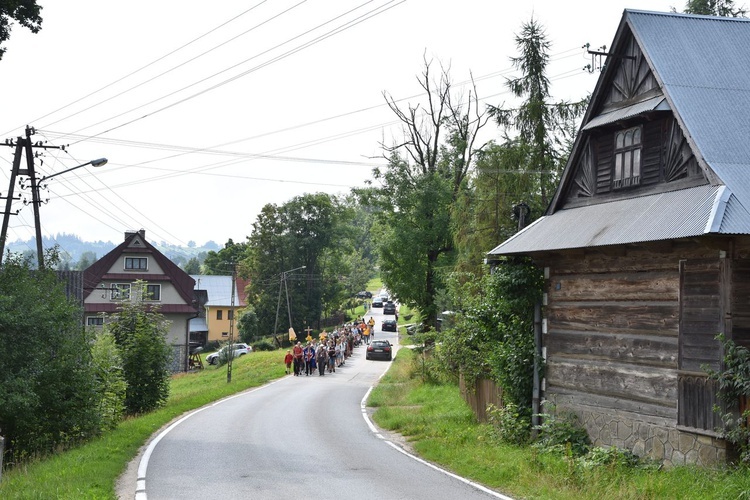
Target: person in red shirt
<point>288,361</point>
<point>297,354</point>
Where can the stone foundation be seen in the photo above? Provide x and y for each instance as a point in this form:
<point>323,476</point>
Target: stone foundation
<point>179,357</point>
<point>659,441</point>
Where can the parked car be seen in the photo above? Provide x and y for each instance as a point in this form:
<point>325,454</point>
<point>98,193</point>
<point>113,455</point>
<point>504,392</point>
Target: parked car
<point>380,349</point>
<point>389,325</point>
<point>239,350</point>
<point>415,328</point>
<point>384,296</point>
<point>389,308</point>
<point>364,295</point>
<point>377,302</point>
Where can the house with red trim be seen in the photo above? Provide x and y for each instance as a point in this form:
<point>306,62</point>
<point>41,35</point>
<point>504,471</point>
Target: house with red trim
<point>110,280</point>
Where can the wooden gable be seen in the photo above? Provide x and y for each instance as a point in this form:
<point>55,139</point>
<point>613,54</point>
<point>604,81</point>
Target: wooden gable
<point>628,96</point>
<point>632,79</point>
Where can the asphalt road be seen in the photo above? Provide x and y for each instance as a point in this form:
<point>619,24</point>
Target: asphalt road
<point>299,437</point>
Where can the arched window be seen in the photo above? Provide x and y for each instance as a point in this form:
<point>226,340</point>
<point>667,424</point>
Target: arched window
<point>627,158</point>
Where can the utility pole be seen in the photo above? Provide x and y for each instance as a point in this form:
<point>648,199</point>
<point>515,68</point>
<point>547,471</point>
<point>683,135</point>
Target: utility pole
<point>24,145</point>
<point>230,351</point>
<point>283,284</point>
<point>278,306</point>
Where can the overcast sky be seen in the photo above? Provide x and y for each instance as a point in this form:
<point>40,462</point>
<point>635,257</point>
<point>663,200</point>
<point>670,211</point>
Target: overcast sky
<point>209,111</point>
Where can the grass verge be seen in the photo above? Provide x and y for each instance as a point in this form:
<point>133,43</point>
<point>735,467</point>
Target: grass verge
<point>441,428</point>
<point>91,470</point>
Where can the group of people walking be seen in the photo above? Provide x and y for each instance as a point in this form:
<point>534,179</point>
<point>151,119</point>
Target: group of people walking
<point>328,352</point>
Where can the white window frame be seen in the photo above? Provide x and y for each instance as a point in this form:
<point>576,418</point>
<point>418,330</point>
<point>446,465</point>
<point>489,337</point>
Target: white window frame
<point>139,261</point>
<point>120,291</point>
<point>154,297</point>
<point>627,157</point>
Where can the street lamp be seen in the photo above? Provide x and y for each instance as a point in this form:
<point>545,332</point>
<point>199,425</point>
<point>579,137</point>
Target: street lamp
<point>100,162</point>
<point>94,163</point>
<point>278,303</point>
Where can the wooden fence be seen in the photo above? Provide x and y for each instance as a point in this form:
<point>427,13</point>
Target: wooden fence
<point>483,393</point>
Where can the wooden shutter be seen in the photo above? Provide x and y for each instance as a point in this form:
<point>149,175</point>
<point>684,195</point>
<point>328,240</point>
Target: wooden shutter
<point>702,305</point>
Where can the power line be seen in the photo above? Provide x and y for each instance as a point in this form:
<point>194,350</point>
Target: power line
<point>339,29</point>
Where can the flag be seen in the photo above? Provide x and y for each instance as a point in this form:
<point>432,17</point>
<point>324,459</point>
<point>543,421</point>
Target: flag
<point>292,335</point>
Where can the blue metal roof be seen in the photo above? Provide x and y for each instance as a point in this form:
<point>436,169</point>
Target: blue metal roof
<point>627,112</point>
<point>702,65</point>
<point>676,214</point>
<point>219,290</point>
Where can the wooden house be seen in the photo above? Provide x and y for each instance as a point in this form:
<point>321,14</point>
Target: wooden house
<point>646,243</point>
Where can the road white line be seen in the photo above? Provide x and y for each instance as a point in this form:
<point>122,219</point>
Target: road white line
<point>363,407</point>
<point>140,491</point>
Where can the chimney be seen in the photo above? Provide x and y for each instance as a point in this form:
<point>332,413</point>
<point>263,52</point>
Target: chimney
<point>141,232</point>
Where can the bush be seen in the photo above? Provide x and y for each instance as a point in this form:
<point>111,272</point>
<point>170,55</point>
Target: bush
<point>734,384</point>
<point>264,345</point>
<point>110,381</point>
<point>47,388</point>
<point>612,457</point>
<point>213,345</point>
<point>248,325</point>
<point>140,333</point>
<point>562,432</point>
<point>509,423</point>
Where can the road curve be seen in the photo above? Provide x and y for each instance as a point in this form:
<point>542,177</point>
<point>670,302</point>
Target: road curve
<point>295,438</point>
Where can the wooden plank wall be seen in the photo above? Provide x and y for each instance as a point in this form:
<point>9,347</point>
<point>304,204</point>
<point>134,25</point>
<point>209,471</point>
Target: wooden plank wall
<point>741,302</point>
<point>612,326</point>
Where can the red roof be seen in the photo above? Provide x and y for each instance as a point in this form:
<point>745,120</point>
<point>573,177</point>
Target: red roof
<point>97,272</point>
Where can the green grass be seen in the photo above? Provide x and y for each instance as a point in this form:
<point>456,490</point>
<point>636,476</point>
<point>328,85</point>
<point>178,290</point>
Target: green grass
<point>374,285</point>
<point>91,470</point>
<point>441,428</point>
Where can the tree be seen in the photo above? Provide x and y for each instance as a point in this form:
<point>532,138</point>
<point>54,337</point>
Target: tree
<point>724,8</point>
<point>48,396</point>
<point>193,266</point>
<point>485,214</point>
<point>425,175</point>
<point>306,231</point>
<point>140,332</point>
<point>541,126</point>
<point>220,263</point>
<point>25,12</point>
<point>248,325</point>
<point>493,329</point>
<point>87,258</point>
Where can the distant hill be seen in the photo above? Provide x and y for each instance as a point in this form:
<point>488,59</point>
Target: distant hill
<point>72,249</point>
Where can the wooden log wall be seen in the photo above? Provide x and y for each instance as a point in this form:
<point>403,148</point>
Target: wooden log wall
<point>612,326</point>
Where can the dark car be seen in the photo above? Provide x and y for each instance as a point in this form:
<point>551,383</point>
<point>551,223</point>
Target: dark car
<point>389,308</point>
<point>364,295</point>
<point>390,325</point>
<point>377,302</point>
<point>379,349</point>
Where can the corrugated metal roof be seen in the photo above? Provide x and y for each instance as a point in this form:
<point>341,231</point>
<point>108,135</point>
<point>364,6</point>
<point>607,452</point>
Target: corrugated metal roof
<point>219,289</point>
<point>620,114</point>
<point>675,214</point>
<point>702,64</point>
